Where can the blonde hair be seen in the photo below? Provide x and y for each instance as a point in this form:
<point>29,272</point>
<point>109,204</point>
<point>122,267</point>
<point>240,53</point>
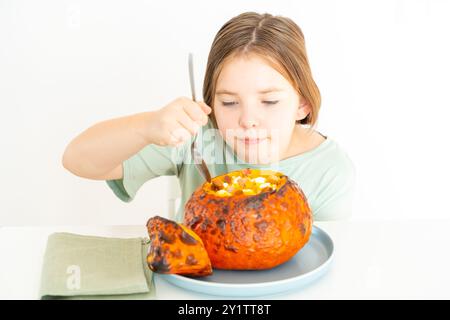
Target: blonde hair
<point>277,39</point>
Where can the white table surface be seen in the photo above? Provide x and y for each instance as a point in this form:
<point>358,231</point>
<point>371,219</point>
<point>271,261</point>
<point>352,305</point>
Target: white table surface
<point>373,260</point>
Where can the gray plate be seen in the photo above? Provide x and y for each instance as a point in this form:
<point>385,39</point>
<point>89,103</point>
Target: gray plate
<point>308,264</point>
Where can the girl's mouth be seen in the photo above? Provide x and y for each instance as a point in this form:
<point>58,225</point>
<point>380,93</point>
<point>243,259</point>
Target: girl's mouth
<point>252,141</point>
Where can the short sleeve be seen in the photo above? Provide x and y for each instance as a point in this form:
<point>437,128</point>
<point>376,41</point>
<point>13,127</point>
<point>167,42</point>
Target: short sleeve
<point>151,162</point>
<point>335,200</point>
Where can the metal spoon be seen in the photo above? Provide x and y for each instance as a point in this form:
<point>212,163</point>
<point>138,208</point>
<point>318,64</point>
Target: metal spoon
<point>196,156</point>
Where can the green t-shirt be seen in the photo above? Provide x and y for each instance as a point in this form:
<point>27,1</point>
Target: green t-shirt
<point>325,174</point>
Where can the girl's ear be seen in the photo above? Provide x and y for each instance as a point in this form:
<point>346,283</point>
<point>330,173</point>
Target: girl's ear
<point>303,110</point>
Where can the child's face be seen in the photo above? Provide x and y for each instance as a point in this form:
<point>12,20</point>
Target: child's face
<point>256,108</point>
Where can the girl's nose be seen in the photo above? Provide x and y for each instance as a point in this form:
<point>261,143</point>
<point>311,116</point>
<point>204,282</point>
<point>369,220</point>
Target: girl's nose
<point>249,123</point>
<point>248,120</point>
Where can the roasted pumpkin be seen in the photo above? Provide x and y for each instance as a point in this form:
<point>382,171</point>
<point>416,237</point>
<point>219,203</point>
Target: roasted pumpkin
<point>176,249</point>
<point>250,219</point>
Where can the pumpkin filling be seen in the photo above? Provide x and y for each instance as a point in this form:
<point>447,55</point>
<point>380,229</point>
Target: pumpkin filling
<point>245,182</point>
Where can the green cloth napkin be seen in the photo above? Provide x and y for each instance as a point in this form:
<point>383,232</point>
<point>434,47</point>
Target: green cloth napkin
<point>88,267</point>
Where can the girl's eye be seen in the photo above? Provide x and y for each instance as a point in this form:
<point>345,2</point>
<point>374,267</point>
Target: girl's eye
<point>228,103</point>
<point>271,102</point>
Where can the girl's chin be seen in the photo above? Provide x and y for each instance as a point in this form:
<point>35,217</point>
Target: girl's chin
<point>260,152</point>
<point>260,157</point>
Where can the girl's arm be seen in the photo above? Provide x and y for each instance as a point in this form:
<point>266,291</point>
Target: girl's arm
<point>98,152</point>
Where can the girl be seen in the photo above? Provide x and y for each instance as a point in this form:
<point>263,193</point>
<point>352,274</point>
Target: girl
<point>259,95</point>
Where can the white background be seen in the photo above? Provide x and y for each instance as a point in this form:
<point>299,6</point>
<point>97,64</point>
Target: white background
<point>382,68</point>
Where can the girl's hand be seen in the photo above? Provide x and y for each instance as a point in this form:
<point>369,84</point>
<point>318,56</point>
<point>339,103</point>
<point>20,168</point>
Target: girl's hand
<point>175,123</point>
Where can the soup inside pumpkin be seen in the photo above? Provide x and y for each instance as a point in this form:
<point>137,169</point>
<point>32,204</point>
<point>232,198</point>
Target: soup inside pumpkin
<point>245,182</point>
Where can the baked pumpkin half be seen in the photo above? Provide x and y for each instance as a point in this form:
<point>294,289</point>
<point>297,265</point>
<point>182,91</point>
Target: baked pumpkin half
<point>176,249</point>
<point>250,219</point>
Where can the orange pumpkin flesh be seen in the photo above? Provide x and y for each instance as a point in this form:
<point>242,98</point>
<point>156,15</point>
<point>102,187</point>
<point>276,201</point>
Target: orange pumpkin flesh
<point>250,219</point>
<point>176,249</point>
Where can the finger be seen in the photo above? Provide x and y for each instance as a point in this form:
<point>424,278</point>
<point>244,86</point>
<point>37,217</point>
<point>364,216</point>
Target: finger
<point>187,123</point>
<point>196,113</point>
<point>179,135</point>
<point>206,109</point>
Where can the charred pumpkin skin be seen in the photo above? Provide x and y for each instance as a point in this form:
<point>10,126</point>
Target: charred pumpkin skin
<point>175,249</point>
<point>253,232</point>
